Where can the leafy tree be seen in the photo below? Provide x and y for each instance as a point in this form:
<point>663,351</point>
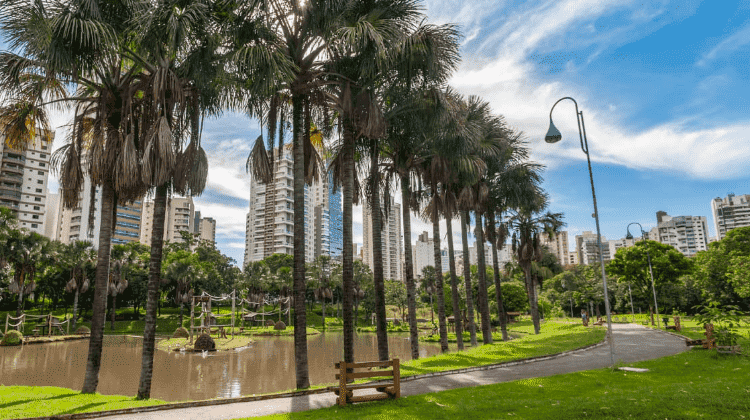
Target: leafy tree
<point>395,294</point>
<point>630,266</point>
<point>720,271</point>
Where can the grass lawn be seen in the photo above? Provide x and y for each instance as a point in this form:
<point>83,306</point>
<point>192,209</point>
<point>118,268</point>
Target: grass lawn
<point>230,343</point>
<point>555,337</point>
<point>38,401</point>
<point>691,385</point>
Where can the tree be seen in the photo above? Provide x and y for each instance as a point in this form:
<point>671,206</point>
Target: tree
<point>527,248</point>
<point>26,251</point>
<point>631,266</point>
<point>719,270</point>
<point>77,257</point>
<point>395,294</point>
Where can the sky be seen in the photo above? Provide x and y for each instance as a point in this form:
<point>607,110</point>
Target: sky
<point>663,87</point>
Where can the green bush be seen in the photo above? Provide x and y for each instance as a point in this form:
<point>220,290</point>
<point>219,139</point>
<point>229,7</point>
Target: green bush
<point>12,338</point>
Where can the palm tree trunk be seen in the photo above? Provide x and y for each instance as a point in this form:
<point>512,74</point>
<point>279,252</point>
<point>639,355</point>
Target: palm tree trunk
<point>75,309</point>
<point>484,307</point>
<point>91,379</point>
<point>442,327</point>
<point>114,307</point>
<point>347,269</point>
<point>454,286</point>
<point>300,315</point>
<point>152,300</point>
<point>498,290</point>
<point>181,309</point>
<point>377,254</point>
<point>534,308</point>
<point>19,308</point>
<point>411,290</point>
<point>467,279</point>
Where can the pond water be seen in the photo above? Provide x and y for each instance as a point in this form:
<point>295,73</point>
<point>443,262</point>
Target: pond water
<point>267,365</point>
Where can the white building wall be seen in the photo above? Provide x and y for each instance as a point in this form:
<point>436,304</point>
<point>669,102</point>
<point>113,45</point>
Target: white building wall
<point>730,212</point>
<point>391,242</point>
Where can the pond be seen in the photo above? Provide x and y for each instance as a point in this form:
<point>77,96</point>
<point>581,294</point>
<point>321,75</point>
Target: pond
<point>267,365</point>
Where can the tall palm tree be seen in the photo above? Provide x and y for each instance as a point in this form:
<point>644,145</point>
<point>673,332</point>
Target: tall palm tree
<point>26,252</point>
<point>528,225</point>
<point>76,258</point>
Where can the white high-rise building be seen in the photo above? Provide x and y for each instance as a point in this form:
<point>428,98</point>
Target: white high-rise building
<point>52,217</point>
<point>179,217</point>
<point>269,225</point>
<point>558,245</point>
<point>391,241</point>
<point>687,234</point>
<point>423,255</point>
<point>587,249</point>
<point>23,183</point>
<point>503,255</point>
<point>730,212</point>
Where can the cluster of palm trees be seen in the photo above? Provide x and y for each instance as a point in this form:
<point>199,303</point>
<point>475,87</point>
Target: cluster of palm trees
<point>140,77</point>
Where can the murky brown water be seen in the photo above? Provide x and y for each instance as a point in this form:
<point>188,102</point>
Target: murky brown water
<point>266,366</point>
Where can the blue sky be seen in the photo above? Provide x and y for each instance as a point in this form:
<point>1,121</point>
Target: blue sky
<point>663,86</point>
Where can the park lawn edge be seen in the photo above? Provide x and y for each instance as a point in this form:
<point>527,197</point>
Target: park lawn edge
<point>320,388</point>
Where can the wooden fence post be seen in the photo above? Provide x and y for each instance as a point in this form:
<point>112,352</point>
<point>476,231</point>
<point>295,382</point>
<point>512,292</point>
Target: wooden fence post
<point>49,325</point>
<point>396,378</point>
<point>6,324</point>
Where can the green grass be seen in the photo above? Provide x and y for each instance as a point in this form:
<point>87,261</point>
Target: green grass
<point>691,385</point>
<point>38,401</point>
<point>555,337</point>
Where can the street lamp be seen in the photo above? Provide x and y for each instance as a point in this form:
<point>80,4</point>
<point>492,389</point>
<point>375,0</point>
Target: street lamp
<point>650,269</point>
<point>553,136</point>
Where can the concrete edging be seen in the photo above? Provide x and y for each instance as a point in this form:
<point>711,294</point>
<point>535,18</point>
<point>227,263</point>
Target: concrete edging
<point>223,401</point>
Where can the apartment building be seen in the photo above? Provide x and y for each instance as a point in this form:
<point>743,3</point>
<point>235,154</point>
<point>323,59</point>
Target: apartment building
<point>24,175</point>
<point>269,225</point>
<point>423,255</point>
<point>687,234</point>
<point>587,249</point>
<point>390,238</point>
<point>730,212</point>
<point>558,245</point>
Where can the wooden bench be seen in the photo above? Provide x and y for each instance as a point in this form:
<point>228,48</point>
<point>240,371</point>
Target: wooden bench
<point>388,389</point>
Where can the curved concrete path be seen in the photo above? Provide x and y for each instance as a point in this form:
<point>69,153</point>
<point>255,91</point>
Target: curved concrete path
<point>633,343</point>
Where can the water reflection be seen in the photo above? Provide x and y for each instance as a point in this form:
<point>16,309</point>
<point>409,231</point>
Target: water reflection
<point>267,365</point>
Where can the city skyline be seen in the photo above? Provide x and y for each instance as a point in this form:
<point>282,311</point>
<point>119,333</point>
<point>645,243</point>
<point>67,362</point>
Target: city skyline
<point>663,87</point>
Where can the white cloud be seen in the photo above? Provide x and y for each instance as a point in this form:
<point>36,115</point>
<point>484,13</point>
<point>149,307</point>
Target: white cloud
<point>730,44</point>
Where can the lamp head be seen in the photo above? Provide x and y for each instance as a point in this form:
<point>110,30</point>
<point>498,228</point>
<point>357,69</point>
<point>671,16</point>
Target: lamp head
<point>628,236</point>
<point>553,134</point>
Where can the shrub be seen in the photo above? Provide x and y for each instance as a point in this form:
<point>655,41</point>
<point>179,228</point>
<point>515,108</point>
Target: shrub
<point>279,326</point>
<point>181,332</point>
<point>12,338</point>
<point>270,323</point>
<point>204,342</point>
<point>83,330</point>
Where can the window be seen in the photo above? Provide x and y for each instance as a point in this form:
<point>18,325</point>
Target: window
<point>42,164</point>
<point>42,155</point>
<point>38,190</point>
<point>33,225</point>
<point>36,216</point>
<point>37,198</point>
<point>39,181</point>
<point>40,172</point>
<point>36,207</point>
<point>44,147</point>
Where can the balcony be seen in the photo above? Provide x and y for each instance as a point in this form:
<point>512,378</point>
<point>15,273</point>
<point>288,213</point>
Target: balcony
<point>13,169</point>
<point>19,159</point>
<point>10,194</point>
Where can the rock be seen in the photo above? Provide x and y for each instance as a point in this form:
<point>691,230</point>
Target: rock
<point>12,338</point>
<point>270,323</point>
<point>632,369</point>
<point>181,332</point>
<point>279,326</point>
<point>83,330</point>
<point>204,342</point>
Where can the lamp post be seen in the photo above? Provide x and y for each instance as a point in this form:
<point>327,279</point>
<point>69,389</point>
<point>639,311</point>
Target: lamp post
<point>553,136</point>
<point>650,270</point>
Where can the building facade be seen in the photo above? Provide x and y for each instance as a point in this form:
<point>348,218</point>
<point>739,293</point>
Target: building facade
<point>24,176</point>
<point>558,245</point>
<point>587,249</point>
<point>423,255</point>
<point>730,212</point>
<point>687,234</point>
<point>269,224</point>
<point>390,240</point>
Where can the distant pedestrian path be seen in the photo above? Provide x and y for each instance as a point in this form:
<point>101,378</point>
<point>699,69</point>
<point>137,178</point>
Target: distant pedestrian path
<point>633,343</point>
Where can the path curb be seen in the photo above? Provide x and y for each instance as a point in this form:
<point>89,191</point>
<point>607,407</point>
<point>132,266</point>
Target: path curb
<point>223,401</point>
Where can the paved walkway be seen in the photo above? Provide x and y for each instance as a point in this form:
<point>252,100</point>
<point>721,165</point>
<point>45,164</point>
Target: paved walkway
<point>633,343</point>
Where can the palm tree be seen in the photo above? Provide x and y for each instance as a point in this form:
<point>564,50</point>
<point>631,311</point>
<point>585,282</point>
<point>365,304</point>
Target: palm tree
<point>526,246</point>
<point>76,258</point>
<point>26,251</point>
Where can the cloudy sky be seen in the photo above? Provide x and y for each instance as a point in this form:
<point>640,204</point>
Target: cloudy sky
<point>663,86</point>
